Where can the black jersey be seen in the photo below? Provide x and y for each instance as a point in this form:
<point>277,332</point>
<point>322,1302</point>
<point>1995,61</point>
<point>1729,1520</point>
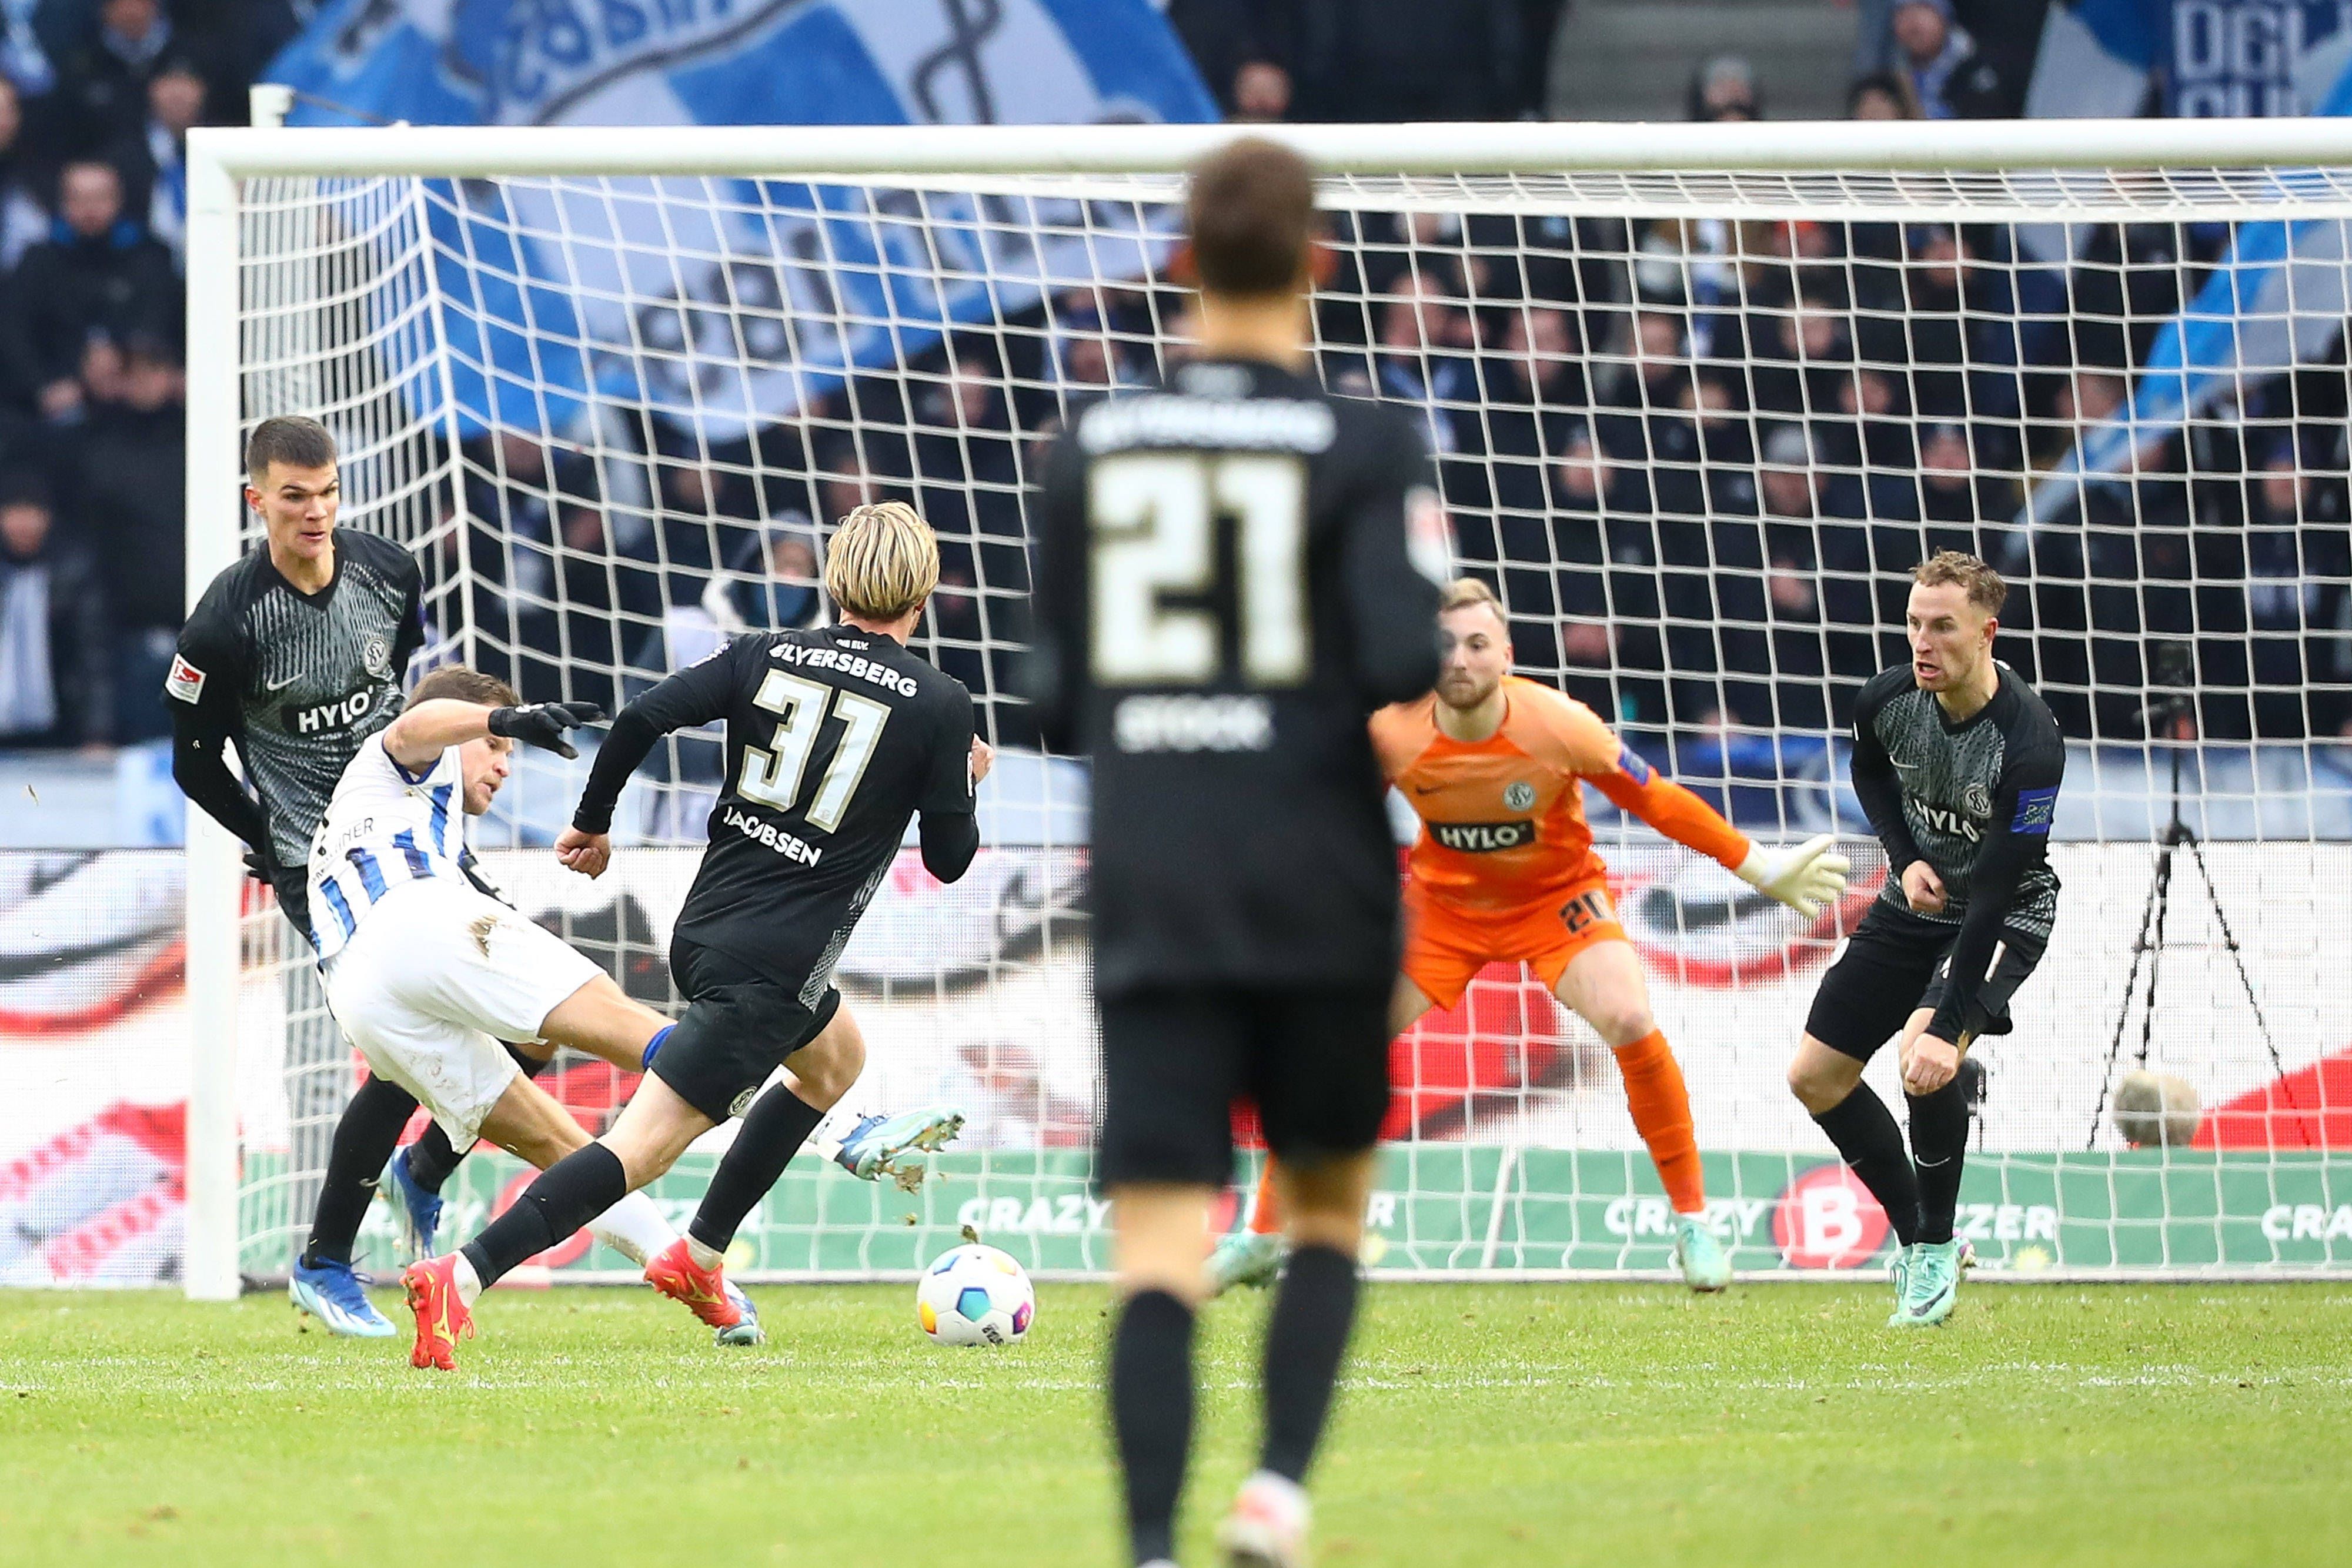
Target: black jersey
<point>296,680</point>
<point>835,737</point>
<point>1974,799</point>
<point>1225,594</point>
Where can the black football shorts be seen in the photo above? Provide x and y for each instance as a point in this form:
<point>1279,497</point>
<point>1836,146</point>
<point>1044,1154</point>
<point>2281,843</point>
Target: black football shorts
<point>739,1026</point>
<point>1895,962</point>
<point>1314,1059</point>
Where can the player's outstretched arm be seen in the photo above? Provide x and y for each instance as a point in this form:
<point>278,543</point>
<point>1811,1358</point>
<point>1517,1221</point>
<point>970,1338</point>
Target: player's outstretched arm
<point>1805,878</point>
<point>694,695</point>
<point>423,732</point>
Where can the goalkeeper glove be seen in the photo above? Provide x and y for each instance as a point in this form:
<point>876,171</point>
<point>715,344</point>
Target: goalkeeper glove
<point>1805,878</point>
<point>543,724</point>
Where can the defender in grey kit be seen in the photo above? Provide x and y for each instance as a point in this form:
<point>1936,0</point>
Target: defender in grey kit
<point>1957,763</point>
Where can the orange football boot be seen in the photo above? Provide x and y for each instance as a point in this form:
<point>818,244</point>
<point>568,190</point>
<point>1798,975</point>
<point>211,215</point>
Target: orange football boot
<point>442,1318</point>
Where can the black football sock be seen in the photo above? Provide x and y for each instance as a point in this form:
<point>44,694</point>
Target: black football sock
<point>431,1160</point>
<point>1314,1311</point>
<point>772,1134</point>
<point>364,1139</point>
<point>1868,1140</point>
<point>568,1194</point>
<point>1939,1145</point>
<point>1151,1415</point>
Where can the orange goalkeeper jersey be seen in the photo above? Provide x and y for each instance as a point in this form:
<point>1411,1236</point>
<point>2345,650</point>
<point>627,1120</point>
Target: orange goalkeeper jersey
<point>1503,819</point>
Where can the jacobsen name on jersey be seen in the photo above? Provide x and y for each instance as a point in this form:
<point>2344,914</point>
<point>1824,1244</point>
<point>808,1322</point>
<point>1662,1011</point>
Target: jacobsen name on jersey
<point>835,737</point>
<point>384,827</point>
<point>1225,594</point>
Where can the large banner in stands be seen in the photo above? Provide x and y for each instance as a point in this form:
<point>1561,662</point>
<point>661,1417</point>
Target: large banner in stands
<point>1515,1146</point>
<point>720,303</point>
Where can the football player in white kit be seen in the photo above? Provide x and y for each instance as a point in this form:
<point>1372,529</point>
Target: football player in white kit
<point>427,976</point>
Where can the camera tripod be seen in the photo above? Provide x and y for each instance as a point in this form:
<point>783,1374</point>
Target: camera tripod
<point>2147,947</point>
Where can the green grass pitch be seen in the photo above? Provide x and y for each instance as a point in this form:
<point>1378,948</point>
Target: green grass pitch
<point>1615,1425</point>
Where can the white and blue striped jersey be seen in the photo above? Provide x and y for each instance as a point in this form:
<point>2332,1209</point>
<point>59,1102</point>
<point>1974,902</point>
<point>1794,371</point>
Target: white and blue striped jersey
<point>384,827</point>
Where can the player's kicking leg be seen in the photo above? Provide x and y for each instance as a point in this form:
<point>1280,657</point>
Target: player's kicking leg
<point>729,1042</point>
<point>1603,985</point>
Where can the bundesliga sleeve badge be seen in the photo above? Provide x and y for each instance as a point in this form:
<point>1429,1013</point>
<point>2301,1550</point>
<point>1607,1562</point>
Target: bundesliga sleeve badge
<point>185,682</point>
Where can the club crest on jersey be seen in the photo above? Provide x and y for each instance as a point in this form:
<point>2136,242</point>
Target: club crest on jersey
<point>1483,838</point>
<point>1978,801</point>
<point>1518,795</point>
<point>375,658</point>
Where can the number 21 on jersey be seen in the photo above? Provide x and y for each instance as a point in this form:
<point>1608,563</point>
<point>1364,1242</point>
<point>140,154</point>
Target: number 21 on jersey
<point>1153,516</point>
<point>773,777</point>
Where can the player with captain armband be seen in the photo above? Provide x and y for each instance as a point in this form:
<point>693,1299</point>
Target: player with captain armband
<point>1505,871</point>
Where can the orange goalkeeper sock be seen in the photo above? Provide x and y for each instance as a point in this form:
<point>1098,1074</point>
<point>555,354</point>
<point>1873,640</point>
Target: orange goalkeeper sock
<point>1266,1218</point>
<point>1662,1113</point>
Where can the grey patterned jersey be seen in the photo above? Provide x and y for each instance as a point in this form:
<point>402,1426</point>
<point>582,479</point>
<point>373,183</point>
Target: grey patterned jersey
<point>1947,793</point>
<point>297,681</point>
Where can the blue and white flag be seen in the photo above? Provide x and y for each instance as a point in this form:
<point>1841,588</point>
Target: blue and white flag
<point>2278,297</point>
<point>723,303</point>
<point>2215,59</point>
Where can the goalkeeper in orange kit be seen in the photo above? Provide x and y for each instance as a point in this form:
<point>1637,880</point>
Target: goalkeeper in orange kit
<point>1503,870</point>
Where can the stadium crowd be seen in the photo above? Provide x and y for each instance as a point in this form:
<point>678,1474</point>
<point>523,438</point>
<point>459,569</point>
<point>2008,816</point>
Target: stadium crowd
<point>1698,455</point>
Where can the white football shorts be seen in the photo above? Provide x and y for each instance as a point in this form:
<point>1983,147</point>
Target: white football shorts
<point>436,976</point>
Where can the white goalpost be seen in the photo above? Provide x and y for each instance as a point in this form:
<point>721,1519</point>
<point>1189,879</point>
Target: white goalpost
<point>1699,395</point>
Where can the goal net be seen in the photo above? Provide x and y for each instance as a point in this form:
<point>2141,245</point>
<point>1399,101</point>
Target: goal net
<point>1696,422</point>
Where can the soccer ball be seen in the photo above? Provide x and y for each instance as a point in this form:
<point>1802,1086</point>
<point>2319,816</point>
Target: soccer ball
<point>975,1295</point>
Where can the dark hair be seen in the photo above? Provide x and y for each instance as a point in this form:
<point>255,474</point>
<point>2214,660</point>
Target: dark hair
<point>291,439</point>
<point>466,685</point>
<point>1887,83</point>
<point>1250,209</point>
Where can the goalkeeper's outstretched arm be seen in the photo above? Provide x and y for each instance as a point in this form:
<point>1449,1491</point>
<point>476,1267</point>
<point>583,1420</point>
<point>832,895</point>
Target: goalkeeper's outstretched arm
<point>1805,878</point>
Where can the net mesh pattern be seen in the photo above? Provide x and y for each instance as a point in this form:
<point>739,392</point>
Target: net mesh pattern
<point>1696,426</point>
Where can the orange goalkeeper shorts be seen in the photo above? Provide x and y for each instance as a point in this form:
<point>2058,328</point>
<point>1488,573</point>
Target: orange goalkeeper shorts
<point>1445,946</point>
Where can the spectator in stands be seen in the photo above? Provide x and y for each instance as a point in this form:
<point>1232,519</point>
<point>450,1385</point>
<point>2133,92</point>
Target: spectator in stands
<point>785,595</point>
<point>1951,78</point>
<point>56,678</point>
<point>1959,492</point>
<point>1724,89</point>
<point>102,84</point>
<point>1881,95</point>
<point>1421,331</point>
<point>1534,397</point>
<point>1261,93</point>
<point>2292,581</point>
<point>157,160</point>
<point>132,481</point>
<point>101,278</point>
<point>24,207</point>
<point>1386,60</point>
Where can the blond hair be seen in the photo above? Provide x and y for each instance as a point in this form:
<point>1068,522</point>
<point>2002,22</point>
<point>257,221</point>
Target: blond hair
<point>1465,592</point>
<point>882,561</point>
<point>1985,588</point>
